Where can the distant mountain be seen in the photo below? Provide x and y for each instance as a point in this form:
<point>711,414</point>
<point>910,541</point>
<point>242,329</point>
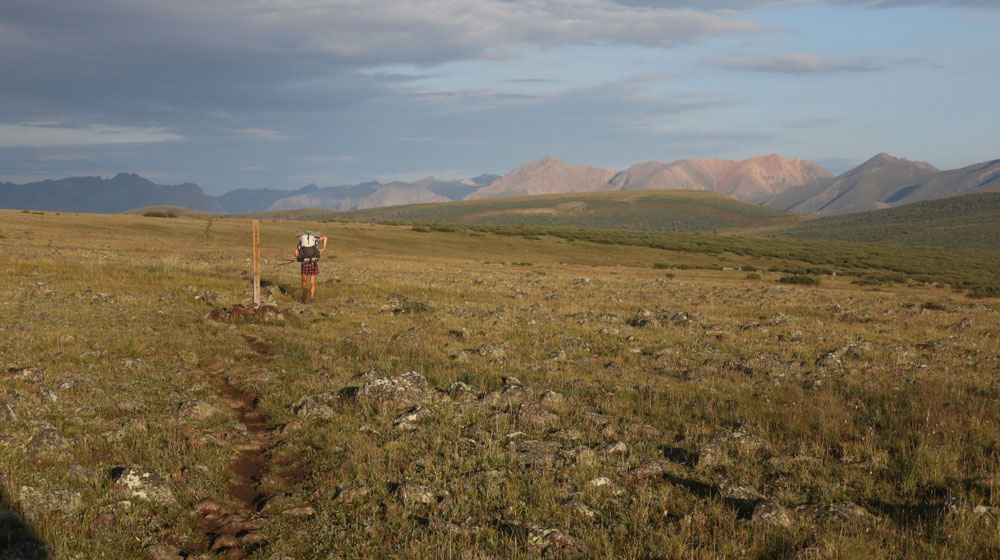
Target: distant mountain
<point>368,195</point>
<point>103,196</point>
<point>882,182</point>
<point>242,201</point>
<point>746,179</point>
<point>968,221</point>
<point>546,176</point>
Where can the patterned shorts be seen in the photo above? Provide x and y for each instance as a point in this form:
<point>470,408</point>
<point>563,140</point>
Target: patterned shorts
<point>310,269</point>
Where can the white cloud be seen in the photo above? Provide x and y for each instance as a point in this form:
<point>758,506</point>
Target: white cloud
<point>52,134</point>
<point>795,63</point>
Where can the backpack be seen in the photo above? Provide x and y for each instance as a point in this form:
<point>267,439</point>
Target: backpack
<point>308,251</point>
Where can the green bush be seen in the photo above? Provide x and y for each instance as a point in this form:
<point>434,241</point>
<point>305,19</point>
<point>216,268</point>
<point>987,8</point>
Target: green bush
<point>661,266</point>
<point>799,279</point>
<point>160,215</point>
<point>422,229</point>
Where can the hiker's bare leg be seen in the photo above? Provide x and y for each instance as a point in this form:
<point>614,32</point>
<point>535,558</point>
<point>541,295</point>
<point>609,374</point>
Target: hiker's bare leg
<point>305,286</point>
<point>312,290</point>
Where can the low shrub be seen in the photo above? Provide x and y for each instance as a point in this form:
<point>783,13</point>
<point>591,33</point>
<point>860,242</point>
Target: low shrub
<point>799,279</point>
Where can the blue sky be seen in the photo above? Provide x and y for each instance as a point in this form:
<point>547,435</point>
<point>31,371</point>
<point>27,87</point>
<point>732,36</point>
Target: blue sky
<point>282,93</point>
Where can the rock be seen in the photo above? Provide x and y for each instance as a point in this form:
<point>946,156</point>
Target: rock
<point>132,427</point>
<point>494,352</point>
<point>833,512</point>
<point>533,416</point>
<point>208,506</point>
<point>711,455</point>
<point>768,513</point>
<point>461,391</point>
<point>307,407</point>
<point>411,416</point>
<point>613,448</point>
<point>163,552</point>
<point>534,453</point>
<point>553,543</point>
<point>512,392</point>
<point>139,482</point>
<point>384,391</point>
<point>62,500</point>
<point>652,469</point>
<point>578,507</point>
<point>352,493</point>
<point>306,511</point>
<point>411,493</point>
<point>553,401</point>
<point>198,409</point>
<point>661,318</point>
<point>570,434</point>
<point>46,441</point>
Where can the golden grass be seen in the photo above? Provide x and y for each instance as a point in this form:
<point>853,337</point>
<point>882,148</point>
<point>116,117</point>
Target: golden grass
<point>884,397</point>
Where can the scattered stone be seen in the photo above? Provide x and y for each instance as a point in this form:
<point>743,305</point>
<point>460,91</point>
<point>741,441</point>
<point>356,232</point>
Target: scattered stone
<point>652,469</point>
<point>307,408</point>
<point>384,391</point>
<point>832,512</point>
<point>46,441</point>
<point>163,552</point>
<point>61,500</point>
<point>461,391</point>
<point>352,493</point>
<point>306,511</point>
<point>512,392</point>
<point>494,352</point>
<point>553,401</point>
<point>535,453</point>
<point>533,416</point>
<point>554,543</point>
<point>198,409</point>
<point>583,510</point>
<point>769,513</point>
<point>661,318</point>
<point>411,493</point>
<point>139,482</point>
<point>614,448</point>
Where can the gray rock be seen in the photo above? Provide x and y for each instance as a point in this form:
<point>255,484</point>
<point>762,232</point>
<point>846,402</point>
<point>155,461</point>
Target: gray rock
<point>832,512</point>
<point>411,493</point>
<point>139,482</point>
<point>533,416</point>
<point>494,352</point>
<point>535,453</point>
<point>512,392</point>
<point>307,407</point>
<point>198,409</point>
<point>46,441</point>
<point>384,391</point>
<point>768,513</point>
<point>61,500</point>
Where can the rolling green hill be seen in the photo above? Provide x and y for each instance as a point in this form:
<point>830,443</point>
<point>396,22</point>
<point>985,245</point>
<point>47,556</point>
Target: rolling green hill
<point>655,210</point>
<point>970,221</point>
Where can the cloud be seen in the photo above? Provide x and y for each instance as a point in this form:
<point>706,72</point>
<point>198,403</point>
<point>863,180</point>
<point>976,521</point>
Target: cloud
<point>263,134</point>
<point>47,135</point>
<point>795,63</point>
<point>65,157</point>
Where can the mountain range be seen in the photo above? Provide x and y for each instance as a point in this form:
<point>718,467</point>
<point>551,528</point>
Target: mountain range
<point>883,182</point>
<point>773,181</point>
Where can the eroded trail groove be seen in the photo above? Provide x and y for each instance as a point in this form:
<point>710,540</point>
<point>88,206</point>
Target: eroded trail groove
<point>235,533</point>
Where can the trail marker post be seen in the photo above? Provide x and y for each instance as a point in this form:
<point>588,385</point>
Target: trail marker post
<point>256,262</point>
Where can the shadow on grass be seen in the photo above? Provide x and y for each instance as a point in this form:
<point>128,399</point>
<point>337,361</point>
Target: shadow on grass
<point>17,538</point>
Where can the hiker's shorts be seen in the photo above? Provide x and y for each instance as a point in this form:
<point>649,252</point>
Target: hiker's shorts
<point>310,269</point>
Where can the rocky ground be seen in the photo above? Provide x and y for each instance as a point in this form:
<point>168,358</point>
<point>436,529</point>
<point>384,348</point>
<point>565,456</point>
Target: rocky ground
<point>456,407</point>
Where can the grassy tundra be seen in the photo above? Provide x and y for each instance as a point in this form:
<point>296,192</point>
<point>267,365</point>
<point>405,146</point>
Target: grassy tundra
<point>571,398</point>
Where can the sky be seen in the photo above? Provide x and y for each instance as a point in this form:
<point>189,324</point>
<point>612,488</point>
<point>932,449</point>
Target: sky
<point>282,93</point>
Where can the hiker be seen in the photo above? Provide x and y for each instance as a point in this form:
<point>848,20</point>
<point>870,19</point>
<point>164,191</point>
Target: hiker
<point>308,254</point>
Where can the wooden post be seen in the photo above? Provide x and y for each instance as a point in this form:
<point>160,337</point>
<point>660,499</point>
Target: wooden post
<point>256,262</point>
